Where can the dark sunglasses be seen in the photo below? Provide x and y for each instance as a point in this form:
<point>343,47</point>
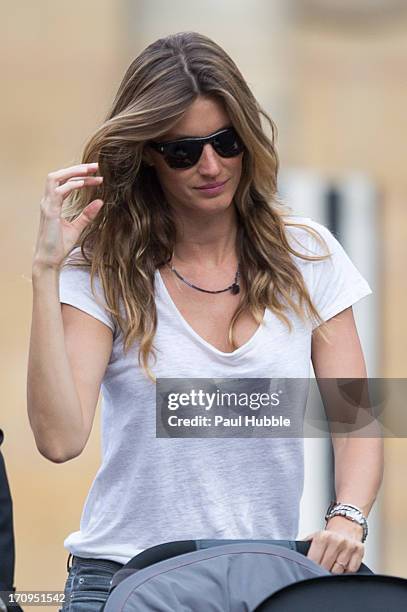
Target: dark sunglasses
<point>185,152</point>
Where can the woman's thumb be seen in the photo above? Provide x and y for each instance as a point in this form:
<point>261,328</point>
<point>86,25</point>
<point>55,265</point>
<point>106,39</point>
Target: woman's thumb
<point>93,208</point>
<point>87,215</point>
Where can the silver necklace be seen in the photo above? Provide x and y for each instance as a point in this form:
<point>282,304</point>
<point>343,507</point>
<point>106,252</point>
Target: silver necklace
<point>234,288</point>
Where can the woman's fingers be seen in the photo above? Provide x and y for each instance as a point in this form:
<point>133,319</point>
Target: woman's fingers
<point>56,177</point>
<point>75,183</point>
<point>336,552</point>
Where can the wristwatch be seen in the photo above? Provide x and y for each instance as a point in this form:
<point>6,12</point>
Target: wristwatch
<point>353,513</point>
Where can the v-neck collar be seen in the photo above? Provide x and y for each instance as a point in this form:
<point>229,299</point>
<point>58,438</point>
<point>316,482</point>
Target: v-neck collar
<point>236,353</point>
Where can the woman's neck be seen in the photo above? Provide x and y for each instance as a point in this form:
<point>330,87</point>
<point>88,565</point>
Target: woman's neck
<point>209,245</point>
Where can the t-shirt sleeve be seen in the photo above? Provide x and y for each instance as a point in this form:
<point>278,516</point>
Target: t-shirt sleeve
<point>75,289</point>
<point>336,281</point>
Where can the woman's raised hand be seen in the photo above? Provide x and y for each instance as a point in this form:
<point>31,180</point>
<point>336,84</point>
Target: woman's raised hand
<point>56,236</point>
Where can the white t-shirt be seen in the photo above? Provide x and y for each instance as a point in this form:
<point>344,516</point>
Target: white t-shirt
<point>150,490</point>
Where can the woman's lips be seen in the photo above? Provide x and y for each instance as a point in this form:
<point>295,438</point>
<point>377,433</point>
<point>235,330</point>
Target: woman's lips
<point>214,190</point>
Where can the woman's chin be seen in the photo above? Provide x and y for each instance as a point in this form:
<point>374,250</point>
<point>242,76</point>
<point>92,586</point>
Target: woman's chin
<point>205,204</point>
<point>222,200</point>
<point>213,204</point>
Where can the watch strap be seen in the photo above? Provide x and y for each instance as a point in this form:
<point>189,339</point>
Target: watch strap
<point>350,512</point>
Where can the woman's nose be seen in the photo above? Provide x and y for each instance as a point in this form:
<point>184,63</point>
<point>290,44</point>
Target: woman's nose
<point>209,162</point>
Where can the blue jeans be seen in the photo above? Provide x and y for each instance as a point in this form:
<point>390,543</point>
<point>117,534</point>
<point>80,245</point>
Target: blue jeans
<point>88,583</point>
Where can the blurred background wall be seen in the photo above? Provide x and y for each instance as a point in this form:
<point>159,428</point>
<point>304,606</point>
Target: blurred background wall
<point>331,75</point>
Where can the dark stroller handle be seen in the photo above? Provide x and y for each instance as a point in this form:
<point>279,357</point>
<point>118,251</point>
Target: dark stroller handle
<point>160,552</point>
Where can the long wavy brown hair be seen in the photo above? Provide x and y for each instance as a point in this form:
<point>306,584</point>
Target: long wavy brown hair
<point>134,232</point>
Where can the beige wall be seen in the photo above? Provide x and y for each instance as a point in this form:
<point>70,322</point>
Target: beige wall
<point>352,96</point>
<point>338,98</point>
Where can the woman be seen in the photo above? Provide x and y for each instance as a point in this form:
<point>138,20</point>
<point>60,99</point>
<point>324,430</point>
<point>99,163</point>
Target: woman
<point>195,269</point>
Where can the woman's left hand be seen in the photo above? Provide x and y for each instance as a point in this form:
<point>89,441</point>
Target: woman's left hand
<point>338,548</point>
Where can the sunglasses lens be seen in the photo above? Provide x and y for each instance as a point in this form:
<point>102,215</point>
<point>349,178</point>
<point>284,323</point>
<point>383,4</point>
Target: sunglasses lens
<point>183,154</point>
<point>228,144</point>
<point>186,153</point>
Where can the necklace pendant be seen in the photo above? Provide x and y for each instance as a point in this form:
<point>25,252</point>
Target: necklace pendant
<point>235,289</point>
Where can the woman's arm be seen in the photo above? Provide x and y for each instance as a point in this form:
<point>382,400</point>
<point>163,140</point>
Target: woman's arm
<point>68,355</point>
<point>358,461</point>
